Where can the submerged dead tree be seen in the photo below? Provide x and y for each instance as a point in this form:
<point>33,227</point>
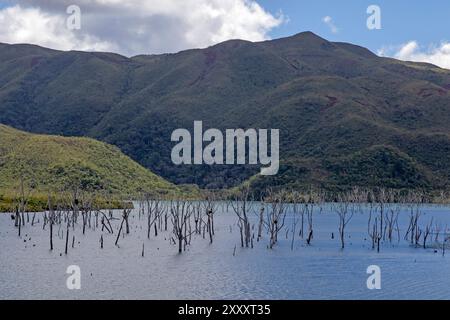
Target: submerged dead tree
<point>428,230</point>
<point>347,205</point>
<point>67,234</point>
<point>276,215</point>
<point>295,220</point>
<point>181,212</point>
<point>413,232</point>
<point>51,218</point>
<point>260,222</point>
<point>21,201</point>
<point>345,213</point>
<point>125,214</point>
<point>211,206</point>
<point>241,207</point>
<point>314,200</point>
<point>392,223</point>
<point>198,212</point>
<point>155,209</point>
<point>107,226</point>
<point>373,227</point>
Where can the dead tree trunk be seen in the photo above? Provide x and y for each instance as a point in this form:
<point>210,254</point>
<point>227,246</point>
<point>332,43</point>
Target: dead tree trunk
<point>261,223</point>
<point>241,207</point>
<point>51,234</point>
<point>210,225</point>
<point>120,230</point>
<point>345,208</point>
<point>181,213</point>
<point>51,221</point>
<point>67,237</point>
<point>276,214</point>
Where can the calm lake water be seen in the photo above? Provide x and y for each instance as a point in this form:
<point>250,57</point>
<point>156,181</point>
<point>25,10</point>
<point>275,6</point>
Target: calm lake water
<point>29,270</point>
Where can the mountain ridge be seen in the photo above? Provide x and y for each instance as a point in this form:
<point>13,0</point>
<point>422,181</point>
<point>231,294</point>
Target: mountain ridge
<point>330,100</point>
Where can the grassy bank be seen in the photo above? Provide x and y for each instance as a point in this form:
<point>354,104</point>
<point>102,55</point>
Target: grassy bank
<point>39,202</point>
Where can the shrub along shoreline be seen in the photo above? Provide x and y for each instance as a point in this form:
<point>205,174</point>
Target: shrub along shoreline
<point>39,203</point>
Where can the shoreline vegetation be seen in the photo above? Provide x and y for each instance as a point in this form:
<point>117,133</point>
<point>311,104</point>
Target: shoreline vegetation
<point>25,200</point>
<point>39,203</point>
<point>28,200</point>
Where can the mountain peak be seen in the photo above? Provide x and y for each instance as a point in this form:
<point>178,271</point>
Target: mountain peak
<point>306,40</point>
<point>307,36</point>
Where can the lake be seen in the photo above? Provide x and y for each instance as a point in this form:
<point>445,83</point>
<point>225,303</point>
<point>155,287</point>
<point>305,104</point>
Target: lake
<point>321,270</point>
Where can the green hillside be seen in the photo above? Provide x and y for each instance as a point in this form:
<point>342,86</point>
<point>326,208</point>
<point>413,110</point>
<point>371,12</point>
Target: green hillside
<point>53,164</point>
<point>346,116</point>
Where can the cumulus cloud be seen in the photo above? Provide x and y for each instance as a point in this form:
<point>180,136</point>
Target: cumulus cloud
<point>411,51</point>
<point>30,25</point>
<point>134,27</point>
<point>330,23</point>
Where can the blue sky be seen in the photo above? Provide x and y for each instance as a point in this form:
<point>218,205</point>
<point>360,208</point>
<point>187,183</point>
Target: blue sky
<point>411,30</point>
<point>402,20</point>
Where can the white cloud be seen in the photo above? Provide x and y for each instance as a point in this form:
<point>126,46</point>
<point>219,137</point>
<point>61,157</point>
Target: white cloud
<point>436,54</point>
<point>31,25</point>
<point>330,23</point>
<point>136,26</point>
